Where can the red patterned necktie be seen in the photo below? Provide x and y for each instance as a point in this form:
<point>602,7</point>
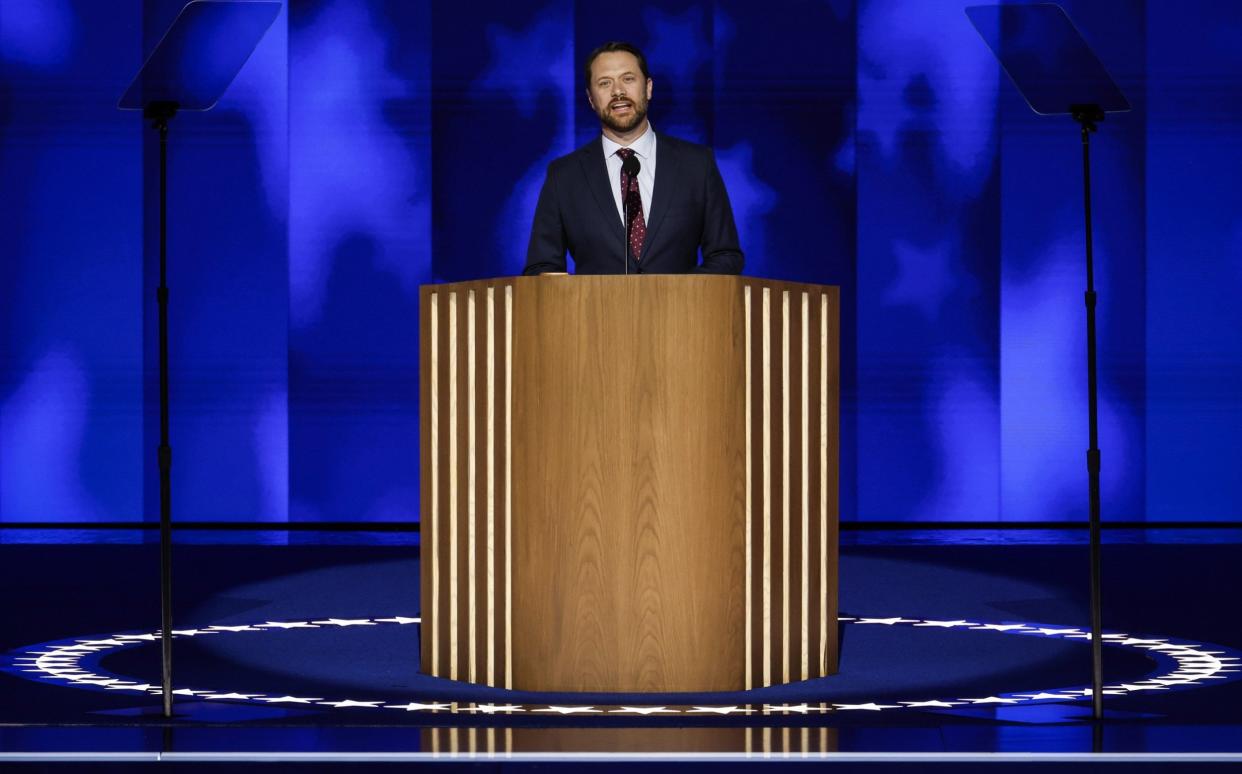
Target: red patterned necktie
<point>632,200</point>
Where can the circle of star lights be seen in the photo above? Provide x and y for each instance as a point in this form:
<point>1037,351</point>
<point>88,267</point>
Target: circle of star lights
<point>1180,665</point>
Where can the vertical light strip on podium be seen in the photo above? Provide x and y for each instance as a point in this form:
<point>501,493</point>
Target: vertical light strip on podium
<point>789,404</point>
<point>749,508</point>
<point>467,632</point>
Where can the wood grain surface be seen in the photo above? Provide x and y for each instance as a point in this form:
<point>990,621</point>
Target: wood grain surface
<point>629,483</point>
<point>628,428</point>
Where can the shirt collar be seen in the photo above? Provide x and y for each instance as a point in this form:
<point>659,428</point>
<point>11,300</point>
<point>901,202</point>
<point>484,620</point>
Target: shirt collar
<point>641,147</point>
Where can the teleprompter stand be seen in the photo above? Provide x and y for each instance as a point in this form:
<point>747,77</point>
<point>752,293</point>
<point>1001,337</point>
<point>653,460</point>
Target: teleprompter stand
<point>194,63</point>
<point>1058,74</point>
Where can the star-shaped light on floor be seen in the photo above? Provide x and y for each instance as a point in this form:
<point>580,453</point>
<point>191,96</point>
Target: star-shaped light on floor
<point>351,703</point>
<point>415,706</point>
<point>1195,664</point>
<point>931,703</point>
<point>1169,681</point>
<point>643,711</point>
<point>491,709</point>
<point>1135,687</point>
<point>801,709</point>
<point>730,710</point>
<point>131,687</point>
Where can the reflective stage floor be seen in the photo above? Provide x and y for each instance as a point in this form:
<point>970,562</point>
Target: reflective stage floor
<point>954,643</point>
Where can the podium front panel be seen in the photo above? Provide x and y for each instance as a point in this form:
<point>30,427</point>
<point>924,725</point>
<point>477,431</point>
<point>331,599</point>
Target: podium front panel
<point>630,483</point>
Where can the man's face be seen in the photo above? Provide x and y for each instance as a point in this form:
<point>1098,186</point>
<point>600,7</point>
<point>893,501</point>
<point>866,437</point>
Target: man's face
<point>618,93</point>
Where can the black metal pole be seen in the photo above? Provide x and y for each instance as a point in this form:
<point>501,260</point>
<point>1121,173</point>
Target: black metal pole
<point>161,113</point>
<point>1087,116</point>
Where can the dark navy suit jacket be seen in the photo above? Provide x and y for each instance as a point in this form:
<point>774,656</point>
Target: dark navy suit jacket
<point>690,212</point>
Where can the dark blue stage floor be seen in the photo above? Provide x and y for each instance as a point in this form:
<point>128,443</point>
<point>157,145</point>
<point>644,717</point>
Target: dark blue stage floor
<point>952,643</point>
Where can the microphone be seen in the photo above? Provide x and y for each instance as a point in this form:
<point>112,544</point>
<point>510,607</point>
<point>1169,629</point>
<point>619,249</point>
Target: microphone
<point>631,166</point>
<point>628,167</point>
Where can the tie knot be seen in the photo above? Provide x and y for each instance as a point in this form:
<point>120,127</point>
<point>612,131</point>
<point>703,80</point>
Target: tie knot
<point>625,153</point>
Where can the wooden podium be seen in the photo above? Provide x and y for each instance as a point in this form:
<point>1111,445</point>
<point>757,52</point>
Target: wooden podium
<point>629,483</point>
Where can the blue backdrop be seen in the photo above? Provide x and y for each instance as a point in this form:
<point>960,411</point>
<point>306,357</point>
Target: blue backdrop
<point>369,147</point>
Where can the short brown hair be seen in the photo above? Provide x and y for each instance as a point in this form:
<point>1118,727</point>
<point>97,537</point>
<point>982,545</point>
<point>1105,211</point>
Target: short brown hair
<point>609,47</point>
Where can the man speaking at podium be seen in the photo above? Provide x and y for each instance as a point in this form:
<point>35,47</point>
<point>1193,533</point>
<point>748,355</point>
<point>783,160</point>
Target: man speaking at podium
<point>631,201</point>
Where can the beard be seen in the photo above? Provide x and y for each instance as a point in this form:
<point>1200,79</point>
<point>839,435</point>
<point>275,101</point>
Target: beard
<point>621,125</point>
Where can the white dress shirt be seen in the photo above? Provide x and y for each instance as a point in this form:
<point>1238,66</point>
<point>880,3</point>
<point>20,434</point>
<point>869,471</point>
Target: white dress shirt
<point>645,149</point>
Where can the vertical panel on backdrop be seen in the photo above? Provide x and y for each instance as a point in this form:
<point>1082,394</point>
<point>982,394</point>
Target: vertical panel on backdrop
<point>359,246</point>
<point>503,92</point>
<point>1042,328</point>
<point>1193,417</point>
<point>71,292</point>
<point>783,127</point>
<point>928,273</point>
<point>227,269</point>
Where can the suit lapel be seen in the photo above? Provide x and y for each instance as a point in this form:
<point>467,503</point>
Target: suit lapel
<point>596,172</point>
<point>666,174</point>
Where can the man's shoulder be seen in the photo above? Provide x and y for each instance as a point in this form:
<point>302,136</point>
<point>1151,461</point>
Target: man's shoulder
<point>682,147</point>
<point>560,162</point>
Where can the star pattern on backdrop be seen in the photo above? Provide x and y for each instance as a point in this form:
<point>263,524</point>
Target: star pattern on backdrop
<point>1185,665</point>
<point>926,278</point>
